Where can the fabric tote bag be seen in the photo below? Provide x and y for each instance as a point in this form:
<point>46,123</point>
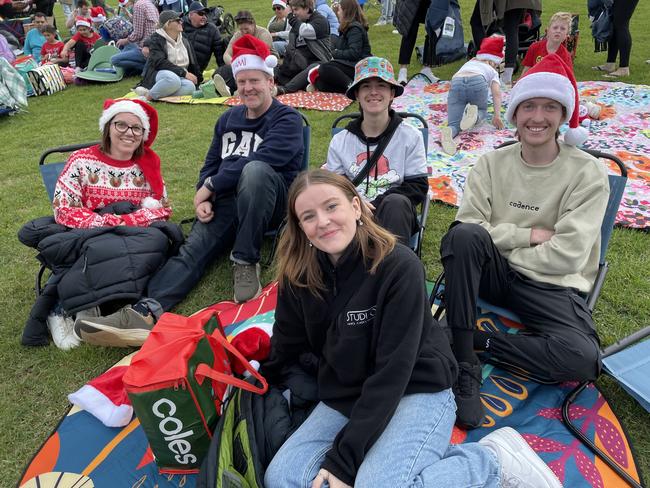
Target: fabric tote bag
<point>178,383</point>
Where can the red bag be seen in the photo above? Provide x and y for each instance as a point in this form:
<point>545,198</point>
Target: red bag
<point>166,382</point>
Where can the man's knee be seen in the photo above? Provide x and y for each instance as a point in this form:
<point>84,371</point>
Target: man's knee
<point>575,358</point>
<point>398,202</point>
<point>462,238</point>
<point>254,177</point>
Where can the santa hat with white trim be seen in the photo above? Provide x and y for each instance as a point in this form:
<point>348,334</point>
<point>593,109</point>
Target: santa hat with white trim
<point>97,14</point>
<point>492,49</point>
<point>249,52</point>
<point>82,22</point>
<point>551,78</point>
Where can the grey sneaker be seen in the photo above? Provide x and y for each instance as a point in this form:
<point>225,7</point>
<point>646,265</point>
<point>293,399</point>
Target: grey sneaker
<point>447,141</point>
<point>521,467</point>
<point>470,117</point>
<point>221,86</point>
<point>141,91</point>
<point>124,328</point>
<point>247,281</point>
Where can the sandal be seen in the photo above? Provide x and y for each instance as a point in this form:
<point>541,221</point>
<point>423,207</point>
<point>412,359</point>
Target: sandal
<point>619,73</point>
<point>603,68</point>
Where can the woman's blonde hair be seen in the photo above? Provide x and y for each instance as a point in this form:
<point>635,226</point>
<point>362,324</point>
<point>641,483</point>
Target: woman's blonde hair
<point>297,263</point>
<point>352,12</point>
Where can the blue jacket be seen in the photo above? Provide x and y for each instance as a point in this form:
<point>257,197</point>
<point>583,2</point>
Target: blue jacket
<point>327,12</point>
<point>274,138</point>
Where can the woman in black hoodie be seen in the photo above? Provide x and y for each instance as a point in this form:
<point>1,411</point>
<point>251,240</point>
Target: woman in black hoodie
<point>356,299</point>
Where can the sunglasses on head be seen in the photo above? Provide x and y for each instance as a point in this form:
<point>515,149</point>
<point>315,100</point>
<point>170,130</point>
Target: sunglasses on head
<point>278,7</point>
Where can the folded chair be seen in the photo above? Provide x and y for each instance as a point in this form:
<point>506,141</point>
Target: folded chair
<point>416,239</point>
<point>630,366</point>
<point>100,68</point>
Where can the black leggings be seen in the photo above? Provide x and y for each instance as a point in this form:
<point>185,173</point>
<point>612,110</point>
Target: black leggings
<point>621,40</point>
<point>408,41</point>
<point>511,20</point>
<point>334,77</point>
<point>81,55</point>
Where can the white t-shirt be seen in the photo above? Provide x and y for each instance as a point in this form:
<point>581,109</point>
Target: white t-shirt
<point>479,68</point>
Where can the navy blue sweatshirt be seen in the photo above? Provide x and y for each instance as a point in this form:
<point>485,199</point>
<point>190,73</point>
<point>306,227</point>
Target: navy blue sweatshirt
<point>384,344</point>
<point>274,138</point>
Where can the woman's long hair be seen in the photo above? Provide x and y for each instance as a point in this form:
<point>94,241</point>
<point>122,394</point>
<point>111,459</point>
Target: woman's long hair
<point>352,12</point>
<point>297,263</point>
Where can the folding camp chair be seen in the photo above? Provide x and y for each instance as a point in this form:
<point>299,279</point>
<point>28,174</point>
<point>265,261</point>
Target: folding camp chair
<point>416,239</point>
<point>50,172</point>
<point>100,68</point>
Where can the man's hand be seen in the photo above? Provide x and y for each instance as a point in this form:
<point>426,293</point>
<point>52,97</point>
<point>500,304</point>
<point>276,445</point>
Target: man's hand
<point>203,194</point>
<point>324,475</point>
<point>191,77</point>
<point>292,19</point>
<point>122,42</point>
<point>497,122</point>
<point>145,51</point>
<point>204,212</point>
<point>539,236</point>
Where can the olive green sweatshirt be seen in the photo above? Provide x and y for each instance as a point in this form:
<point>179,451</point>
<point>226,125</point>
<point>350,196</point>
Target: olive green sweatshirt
<point>509,198</point>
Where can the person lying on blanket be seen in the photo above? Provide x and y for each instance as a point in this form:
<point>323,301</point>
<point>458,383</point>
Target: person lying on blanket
<point>527,237</point>
<point>393,183</point>
<point>256,152</point>
<point>356,299</point>
<point>467,99</point>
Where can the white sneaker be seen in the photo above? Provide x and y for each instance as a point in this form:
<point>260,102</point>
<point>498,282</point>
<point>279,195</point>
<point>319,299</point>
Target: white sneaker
<point>402,76</point>
<point>141,91</point>
<point>395,31</point>
<point>593,110</point>
<point>221,86</point>
<point>426,71</point>
<point>521,467</point>
<point>470,117</point>
<point>381,22</point>
<point>61,328</point>
<point>447,141</point>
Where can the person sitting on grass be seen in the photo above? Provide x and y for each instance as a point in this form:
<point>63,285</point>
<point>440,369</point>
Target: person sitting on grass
<point>52,49</point>
<point>172,69</point>
<point>527,237</point>
<point>393,183</point>
<point>256,152</point>
<point>350,47</point>
<point>279,27</point>
<point>35,39</point>
<point>556,33</point>
<point>204,36</point>
<point>355,301</point>
<point>145,21</point>
<point>82,43</point>
<point>82,9</point>
<point>467,99</point>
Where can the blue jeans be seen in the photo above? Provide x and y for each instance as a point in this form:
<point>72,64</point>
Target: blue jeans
<point>387,9</point>
<point>169,84</point>
<point>240,221</point>
<point>464,90</point>
<point>280,47</point>
<point>413,450</point>
<point>131,59</point>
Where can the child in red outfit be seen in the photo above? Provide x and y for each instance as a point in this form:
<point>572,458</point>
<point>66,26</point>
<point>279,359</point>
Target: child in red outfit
<point>51,50</point>
<point>82,42</point>
<point>556,34</point>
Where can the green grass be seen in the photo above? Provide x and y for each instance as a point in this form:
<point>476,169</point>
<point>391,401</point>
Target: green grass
<point>36,381</point>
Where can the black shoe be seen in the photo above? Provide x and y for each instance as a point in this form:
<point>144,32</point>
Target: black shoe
<point>469,408</point>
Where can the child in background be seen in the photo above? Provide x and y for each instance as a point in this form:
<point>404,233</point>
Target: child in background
<point>468,95</point>
<point>556,33</point>
<point>82,42</point>
<point>51,50</point>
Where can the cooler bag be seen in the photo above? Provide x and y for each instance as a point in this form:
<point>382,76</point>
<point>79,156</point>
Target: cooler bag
<point>23,65</point>
<point>177,384</point>
<point>46,79</point>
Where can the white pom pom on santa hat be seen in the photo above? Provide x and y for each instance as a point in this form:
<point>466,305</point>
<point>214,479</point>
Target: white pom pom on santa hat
<point>551,78</point>
<point>249,52</point>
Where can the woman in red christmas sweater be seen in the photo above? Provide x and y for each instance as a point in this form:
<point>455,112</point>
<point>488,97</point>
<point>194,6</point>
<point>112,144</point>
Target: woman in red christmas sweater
<point>121,168</point>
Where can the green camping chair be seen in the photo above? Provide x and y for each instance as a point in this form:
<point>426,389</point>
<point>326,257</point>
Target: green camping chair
<point>100,68</point>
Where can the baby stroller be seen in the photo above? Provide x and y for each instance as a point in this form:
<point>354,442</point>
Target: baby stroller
<point>225,22</point>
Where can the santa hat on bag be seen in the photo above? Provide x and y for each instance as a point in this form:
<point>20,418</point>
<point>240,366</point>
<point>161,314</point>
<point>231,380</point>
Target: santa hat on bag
<point>249,52</point>
<point>97,15</point>
<point>105,398</point>
<point>149,162</point>
<point>551,78</point>
<point>491,49</point>
<point>82,22</point>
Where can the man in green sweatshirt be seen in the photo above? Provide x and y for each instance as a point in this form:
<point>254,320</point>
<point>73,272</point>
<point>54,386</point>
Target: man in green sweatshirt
<point>527,237</point>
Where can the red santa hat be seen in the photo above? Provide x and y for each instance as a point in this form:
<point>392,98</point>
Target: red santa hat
<point>249,52</point>
<point>551,78</point>
<point>82,22</point>
<point>105,398</point>
<point>149,162</point>
<point>97,14</point>
<point>491,49</point>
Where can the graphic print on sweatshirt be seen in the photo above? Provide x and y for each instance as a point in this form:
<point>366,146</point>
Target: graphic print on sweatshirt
<point>240,144</point>
<point>380,178</point>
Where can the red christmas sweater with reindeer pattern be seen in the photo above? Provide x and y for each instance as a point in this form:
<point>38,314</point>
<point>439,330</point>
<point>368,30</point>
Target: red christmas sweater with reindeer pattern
<point>91,180</point>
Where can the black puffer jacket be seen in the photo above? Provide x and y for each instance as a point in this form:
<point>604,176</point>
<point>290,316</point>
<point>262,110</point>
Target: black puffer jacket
<point>93,266</point>
<point>158,61</point>
<point>352,45</point>
<point>206,41</point>
<point>409,12</point>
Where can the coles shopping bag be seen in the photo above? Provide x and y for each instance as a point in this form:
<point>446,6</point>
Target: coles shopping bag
<point>177,384</point>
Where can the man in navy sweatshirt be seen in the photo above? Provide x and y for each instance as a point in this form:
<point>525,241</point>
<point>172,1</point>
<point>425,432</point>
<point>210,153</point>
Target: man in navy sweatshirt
<point>256,152</point>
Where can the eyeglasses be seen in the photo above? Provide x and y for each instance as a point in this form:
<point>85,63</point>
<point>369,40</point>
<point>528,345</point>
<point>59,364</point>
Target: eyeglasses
<point>122,127</point>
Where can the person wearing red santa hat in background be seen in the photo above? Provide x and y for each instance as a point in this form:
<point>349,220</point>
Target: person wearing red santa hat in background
<point>82,42</point>
<point>256,152</point>
<point>467,100</point>
<point>527,237</point>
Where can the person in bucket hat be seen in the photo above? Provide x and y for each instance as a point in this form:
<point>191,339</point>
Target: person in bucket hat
<point>397,180</point>
<point>527,237</point>
<point>467,99</point>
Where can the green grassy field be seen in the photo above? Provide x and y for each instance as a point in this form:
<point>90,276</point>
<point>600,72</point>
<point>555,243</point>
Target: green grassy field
<point>36,381</point>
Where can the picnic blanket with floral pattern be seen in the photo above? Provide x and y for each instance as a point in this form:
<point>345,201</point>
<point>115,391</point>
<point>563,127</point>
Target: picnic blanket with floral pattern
<point>329,102</point>
<point>623,129</point>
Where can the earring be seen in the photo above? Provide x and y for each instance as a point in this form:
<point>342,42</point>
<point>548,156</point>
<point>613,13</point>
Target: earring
<point>310,244</point>
<point>359,222</point>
